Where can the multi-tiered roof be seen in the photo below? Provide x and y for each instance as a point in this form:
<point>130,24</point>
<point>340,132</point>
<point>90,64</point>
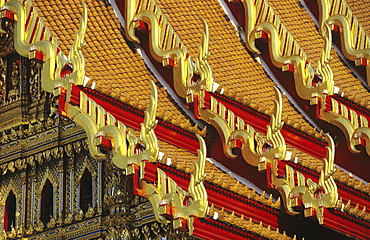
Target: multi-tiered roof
<point>259,81</point>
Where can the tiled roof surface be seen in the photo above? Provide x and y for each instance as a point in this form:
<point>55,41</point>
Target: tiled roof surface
<point>110,63</point>
<point>233,68</point>
<point>296,18</point>
<point>361,10</point>
<point>115,75</point>
<point>184,160</point>
<point>119,76</point>
<point>297,21</point>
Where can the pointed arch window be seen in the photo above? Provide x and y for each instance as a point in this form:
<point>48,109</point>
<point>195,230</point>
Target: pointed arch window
<point>9,212</point>
<point>86,190</point>
<point>47,202</point>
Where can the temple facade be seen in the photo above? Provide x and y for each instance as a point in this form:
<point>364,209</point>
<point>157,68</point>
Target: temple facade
<point>162,119</point>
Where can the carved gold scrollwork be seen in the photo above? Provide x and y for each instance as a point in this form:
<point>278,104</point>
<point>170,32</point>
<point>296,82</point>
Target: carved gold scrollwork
<point>147,137</point>
<point>362,133</point>
<point>236,133</point>
<point>260,18</point>
<point>254,147</point>
<point>30,39</point>
<point>166,194</point>
<point>260,152</point>
<point>355,43</point>
<point>6,37</point>
<point>167,48</point>
<point>354,125</point>
<point>317,196</point>
<point>123,143</point>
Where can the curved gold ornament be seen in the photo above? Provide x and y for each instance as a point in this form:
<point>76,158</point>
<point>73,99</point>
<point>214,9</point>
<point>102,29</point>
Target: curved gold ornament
<point>166,193</point>
<point>254,147</point>
<point>355,43</point>
<point>284,50</point>
<point>354,125</point>
<point>123,142</point>
<point>314,196</point>
<point>36,37</point>
<point>167,48</point>
<point>235,132</point>
<point>362,133</point>
<point>260,18</point>
<point>147,137</point>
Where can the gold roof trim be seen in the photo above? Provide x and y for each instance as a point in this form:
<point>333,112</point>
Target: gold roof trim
<point>284,50</point>
<point>355,126</point>
<point>236,133</point>
<point>306,189</point>
<point>123,142</point>
<point>260,17</point>
<point>248,224</point>
<point>166,194</point>
<point>35,36</point>
<point>166,47</point>
<point>355,42</point>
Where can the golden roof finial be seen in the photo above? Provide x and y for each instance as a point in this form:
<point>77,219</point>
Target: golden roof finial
<point>347,207</point>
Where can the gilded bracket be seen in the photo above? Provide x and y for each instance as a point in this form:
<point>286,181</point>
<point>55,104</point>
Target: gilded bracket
<point>235,132</point>
<point>353,124</point>
<point>257,151</point>
<point>314,196</point>
<point>261,21</point>
<point>172,202</point>
<point>123,143</point>
<point>355,43</point>
<point>34,38</point>
<point>167,48</point>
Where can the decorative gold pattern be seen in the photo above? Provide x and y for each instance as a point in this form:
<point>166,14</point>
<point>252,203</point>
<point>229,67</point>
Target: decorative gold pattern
<point>95,126</point>
<point>11,184</point>
<point>256,152</point>
<point>354,125</point>
<point>92,121</point>
<point>355,43</point>
<point>235,132</point>
<point>313,195</point>
<point>167,48</point>
<point>285,51</point>
<point>357,210</point>
<point>166,194</point>
<point>36,37</point>
<point>261,19</point>
<point>274,137</point>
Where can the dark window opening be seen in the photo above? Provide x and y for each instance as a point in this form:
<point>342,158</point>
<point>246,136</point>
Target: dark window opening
<point>9,213</point>
<point>86,191</point>
<point>47,202</point>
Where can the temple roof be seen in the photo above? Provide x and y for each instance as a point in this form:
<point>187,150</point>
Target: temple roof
<point>233,67</point>
<point>360,9</point>
<point>304,30</point>
<point>119,71</point>
<point>116,68</point>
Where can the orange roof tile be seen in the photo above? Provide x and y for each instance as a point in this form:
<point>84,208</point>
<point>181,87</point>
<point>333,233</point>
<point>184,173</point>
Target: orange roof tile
<point>103,38</point>
<point>311,42</point>
<point>231,63</point>
<point>361,10</point>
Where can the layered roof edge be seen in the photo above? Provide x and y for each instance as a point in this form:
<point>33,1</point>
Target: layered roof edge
<point>192,80</point>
